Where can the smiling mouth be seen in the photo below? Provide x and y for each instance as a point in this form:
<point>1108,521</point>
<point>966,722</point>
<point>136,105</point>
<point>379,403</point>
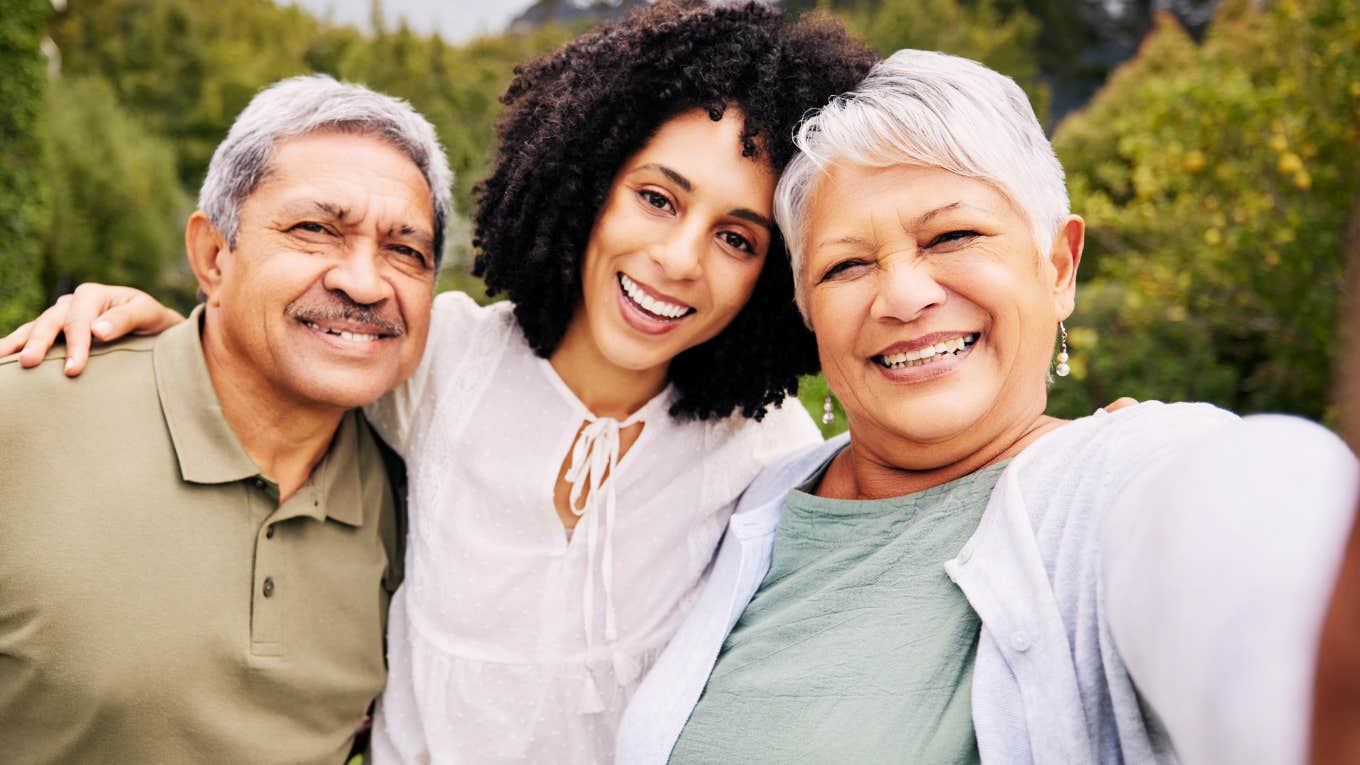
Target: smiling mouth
<point>353,337</point>
<point>651,306</point>
<point>928,354</point>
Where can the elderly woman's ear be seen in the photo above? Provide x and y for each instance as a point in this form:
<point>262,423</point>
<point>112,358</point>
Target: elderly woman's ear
<point>1065,257</point>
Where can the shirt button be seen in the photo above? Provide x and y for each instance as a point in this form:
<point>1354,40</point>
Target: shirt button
<point>269,533</point>
<point>259,483</point>
<point>268,588</point>
<point>1020,641</point>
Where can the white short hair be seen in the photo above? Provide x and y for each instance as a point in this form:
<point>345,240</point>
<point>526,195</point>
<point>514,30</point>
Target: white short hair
<point>935,110</point>
<point>301,105</point>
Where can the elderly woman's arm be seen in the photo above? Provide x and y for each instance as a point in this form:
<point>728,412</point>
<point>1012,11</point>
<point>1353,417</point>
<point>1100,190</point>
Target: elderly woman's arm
<point>1217,566</point>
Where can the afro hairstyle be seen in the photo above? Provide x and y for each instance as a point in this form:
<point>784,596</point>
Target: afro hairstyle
<point>573,117</point>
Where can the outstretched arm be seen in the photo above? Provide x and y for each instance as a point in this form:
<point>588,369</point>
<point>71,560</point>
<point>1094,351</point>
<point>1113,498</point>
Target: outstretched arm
<point>1217,568</point>
<point>99,311</point>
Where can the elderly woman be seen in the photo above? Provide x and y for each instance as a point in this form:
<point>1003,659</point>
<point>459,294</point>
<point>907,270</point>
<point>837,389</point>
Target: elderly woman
<point>963,578</point>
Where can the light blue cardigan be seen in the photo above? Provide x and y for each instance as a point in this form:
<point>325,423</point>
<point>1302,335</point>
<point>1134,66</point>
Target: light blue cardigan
<point>1150,583</point>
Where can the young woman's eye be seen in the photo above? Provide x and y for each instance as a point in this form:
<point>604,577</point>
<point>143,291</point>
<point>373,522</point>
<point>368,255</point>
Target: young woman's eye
<point>733,239</point>
<point>655,199</point>
<point>953,237</point>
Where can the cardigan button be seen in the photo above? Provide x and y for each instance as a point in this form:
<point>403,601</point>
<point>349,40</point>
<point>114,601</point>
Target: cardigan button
<point>1020,641</point>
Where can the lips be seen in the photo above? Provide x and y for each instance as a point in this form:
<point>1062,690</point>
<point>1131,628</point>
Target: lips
<point>926,351</point>
<point>651,303</point>
<point>351,323</point>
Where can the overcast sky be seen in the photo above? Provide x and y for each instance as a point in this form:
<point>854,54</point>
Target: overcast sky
<point>455,20</point>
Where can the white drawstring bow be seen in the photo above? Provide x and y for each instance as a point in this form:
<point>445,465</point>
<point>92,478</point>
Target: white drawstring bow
<point>594,465</point>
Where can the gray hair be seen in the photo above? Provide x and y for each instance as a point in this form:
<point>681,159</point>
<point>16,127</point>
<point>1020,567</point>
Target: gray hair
<point>301,105</point>
<point>931,109</point>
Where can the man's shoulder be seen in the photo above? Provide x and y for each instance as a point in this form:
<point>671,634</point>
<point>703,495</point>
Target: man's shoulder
<point>56,357</point>
<point>112,372</point>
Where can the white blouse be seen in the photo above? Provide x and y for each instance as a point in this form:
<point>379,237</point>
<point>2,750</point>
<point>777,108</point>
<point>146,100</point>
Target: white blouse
<point>510,641</point>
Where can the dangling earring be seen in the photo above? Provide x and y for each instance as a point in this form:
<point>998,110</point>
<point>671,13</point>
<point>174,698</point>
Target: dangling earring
<point>828,411</point>
<point>1062,370</point>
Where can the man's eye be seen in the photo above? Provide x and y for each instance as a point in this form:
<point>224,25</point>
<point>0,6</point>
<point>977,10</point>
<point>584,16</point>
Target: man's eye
<point>960,235</point>
<point>310,227</point>
<point>409,253</point>
<point>733,239</point>
<point>655,199</point>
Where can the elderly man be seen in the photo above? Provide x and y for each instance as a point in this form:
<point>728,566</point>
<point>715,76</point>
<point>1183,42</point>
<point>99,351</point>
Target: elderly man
<point>195,567</point>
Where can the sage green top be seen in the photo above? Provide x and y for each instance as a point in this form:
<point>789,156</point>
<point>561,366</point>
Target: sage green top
<point>157,604</point>
<point>857,647</point>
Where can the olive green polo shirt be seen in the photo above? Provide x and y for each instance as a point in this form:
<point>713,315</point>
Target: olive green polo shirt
<point>157,604</point>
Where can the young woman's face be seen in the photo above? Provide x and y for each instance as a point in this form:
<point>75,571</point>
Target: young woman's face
<point>678,245</point>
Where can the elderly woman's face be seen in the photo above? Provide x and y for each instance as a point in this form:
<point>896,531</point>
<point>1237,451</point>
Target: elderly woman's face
<point>934,315</point>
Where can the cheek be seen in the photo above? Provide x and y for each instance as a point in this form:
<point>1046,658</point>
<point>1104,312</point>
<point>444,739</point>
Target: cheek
<point>734,281</point>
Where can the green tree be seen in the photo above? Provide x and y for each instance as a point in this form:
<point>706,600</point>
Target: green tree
<point>23,189</point>
<point>118,211</point>
<point>1216,180</point>
<point>1004,41</point>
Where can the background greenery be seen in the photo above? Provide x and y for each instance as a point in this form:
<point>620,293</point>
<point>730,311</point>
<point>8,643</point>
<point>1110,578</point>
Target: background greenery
<point>1214,152</point>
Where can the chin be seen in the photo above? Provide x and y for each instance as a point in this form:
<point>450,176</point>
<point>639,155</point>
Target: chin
<point>347,389</point>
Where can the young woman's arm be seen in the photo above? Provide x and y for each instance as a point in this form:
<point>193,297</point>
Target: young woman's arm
<point>99,311</point>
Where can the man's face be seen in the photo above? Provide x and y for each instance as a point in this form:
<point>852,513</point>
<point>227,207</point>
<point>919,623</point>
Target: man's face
<point>327,292</point>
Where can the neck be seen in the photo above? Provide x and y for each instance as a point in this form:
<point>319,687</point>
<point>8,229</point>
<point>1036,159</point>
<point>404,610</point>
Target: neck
<point>284,437</point>
<point>883,467</point>
<point>606,389</point>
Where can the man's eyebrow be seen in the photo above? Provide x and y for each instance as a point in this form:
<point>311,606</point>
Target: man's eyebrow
<point>421,235</point>
<point>335,211</point>
<point>676,178</point>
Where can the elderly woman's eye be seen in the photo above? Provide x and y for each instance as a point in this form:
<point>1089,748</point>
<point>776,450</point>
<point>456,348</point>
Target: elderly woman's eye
<point>953,237</point>
<point>655,199</point>
<point>842,268</point>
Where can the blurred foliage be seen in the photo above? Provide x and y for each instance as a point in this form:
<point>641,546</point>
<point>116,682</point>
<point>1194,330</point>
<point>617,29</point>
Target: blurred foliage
<point>117,206</point>
<point>183,70</point>
<point>978,30</point>
<point>23,183</point>
<point>1216,179</point>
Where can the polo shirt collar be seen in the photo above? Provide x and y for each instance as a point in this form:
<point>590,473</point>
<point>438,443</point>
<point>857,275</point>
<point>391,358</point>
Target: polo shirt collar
<point>205,445</point>
<point>208,450</point>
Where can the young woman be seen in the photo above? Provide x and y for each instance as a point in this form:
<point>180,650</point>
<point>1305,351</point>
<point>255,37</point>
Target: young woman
<point>575,452</point>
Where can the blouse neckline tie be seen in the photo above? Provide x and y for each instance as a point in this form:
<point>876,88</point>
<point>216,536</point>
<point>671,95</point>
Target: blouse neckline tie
<point>594,466</point>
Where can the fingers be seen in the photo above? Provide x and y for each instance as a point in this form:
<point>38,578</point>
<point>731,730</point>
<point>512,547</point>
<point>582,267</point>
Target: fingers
<point>140,315</point>
<point>86,304</point>
<point>1120,403</point>
<point>42,335</point>
<point>15,340</point>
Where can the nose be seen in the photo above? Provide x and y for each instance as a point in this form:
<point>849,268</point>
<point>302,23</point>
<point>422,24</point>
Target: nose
<point>681,254</point>
<point>358,274</point>
<point>906,288</point>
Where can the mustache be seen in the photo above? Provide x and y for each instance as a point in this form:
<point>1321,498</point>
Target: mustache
<point>348,311</point>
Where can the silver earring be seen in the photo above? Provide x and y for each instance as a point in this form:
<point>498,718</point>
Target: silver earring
<point>828,411</point>
<point>1062,370</point>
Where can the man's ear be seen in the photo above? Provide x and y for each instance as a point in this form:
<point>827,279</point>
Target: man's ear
<point>1065,257</point>
<point>205,247</point>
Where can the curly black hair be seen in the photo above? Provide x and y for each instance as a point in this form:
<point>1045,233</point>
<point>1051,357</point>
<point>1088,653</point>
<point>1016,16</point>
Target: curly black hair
<point>574,116</point>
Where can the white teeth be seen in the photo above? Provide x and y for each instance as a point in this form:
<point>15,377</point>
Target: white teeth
<point>928,353</point>
<point>353,337</point>
<point>652,305</point>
